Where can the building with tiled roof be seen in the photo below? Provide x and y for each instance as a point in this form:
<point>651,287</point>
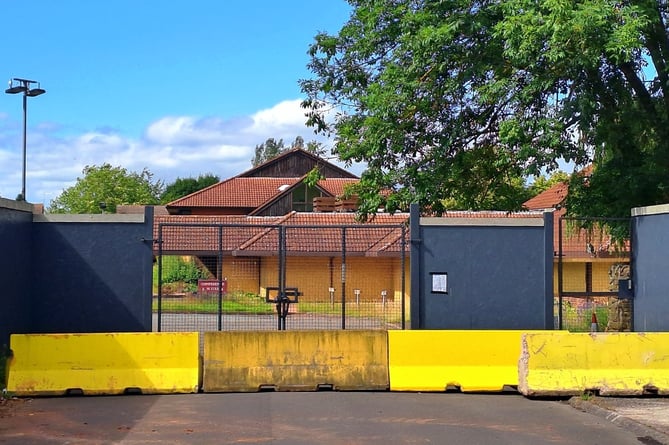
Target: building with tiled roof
<point>274,188</point>
<point>586,261</point>
<point>238,225</point>
<point>550,199</point>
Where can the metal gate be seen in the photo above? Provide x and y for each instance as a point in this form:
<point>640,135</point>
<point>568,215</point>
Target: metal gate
<point>594,273</point>
<point>212,277</point>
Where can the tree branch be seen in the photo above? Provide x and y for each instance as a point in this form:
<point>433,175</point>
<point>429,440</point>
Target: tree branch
<point>638,87</point>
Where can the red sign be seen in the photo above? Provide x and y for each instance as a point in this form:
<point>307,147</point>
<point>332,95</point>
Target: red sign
<point>211,286</point>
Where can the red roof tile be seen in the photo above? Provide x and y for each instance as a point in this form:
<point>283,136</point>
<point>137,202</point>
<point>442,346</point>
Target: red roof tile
<point>549,198</point>
<point>254,192</point>
<point>490,214</point>
<point>335,186</point>
<point>555,195</point>
<point>236,192</point>
<point>200,234</point>
<point>320,233</point>
<point>306,234</point>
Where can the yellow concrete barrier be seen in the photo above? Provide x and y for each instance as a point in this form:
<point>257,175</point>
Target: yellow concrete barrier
<point>438,360</point>
<point>295,360</point>
<point>608,363</point>
<point>110,363</point>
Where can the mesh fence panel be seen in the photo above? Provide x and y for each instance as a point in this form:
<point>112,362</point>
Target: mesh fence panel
<point>231,276</point>
<point>590,263</point>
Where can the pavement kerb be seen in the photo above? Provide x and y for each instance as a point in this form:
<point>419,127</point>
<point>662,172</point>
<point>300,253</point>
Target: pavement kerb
<point>647,435</point>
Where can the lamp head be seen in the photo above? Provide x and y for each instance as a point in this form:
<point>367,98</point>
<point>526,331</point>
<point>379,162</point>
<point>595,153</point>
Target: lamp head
<point>15,90</point>
<point>35,92</point>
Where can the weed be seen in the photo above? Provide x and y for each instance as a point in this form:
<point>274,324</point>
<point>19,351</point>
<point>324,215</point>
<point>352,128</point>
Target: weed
<point>588,395</point>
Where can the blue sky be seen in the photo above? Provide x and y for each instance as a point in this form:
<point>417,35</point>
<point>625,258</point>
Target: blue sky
<point>180,88</point>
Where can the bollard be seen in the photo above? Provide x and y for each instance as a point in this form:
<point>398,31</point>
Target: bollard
<point>594,326</point>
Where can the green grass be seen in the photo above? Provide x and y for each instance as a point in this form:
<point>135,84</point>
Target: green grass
<point>391,312</point>
<point>576,320</point>
<point>232,304</point>
<point>247,303</point>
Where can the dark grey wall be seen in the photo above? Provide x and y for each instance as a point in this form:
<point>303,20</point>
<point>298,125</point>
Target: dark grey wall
<point>650,268</point>
<point>15,255</point>
<point>500,272</point>
<point>94,274</point>
<point>74,273</point>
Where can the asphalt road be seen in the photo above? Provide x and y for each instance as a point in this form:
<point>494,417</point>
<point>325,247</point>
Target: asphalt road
<point>308,418</point>
<point>243,322</point>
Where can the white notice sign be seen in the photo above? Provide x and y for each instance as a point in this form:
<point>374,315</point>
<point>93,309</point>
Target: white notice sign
<point>440,283</point>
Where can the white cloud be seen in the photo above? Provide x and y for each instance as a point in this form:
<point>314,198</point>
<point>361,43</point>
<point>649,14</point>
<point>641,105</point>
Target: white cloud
<point>170,147</point>
<point>285,115</point>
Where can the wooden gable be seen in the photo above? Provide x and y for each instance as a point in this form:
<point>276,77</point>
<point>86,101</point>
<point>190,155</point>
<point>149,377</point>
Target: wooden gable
<point>296,163</point>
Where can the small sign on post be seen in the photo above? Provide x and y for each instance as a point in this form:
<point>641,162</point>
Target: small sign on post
<point>205,287</point>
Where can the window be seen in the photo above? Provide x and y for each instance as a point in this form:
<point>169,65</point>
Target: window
<point>303,198</point>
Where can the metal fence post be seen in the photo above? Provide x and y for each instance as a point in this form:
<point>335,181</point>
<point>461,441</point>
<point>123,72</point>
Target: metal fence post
<point>160,275</point>
<point>219,272</point>
<point>560,288</point>
<point>403,276</point>
<point>343,278</point>
<point>282,307</point>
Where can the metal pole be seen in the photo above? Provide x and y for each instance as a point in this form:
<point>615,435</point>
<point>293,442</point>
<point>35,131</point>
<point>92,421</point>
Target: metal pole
<point>631,228</point>
<point>281,307</point>
<point>160,277</point>
<point>219,272</point>
<point>25,125</point>
<point>560,274</point>
<point>343,278</point>
<point>24,88</point>
<point>403,278</point>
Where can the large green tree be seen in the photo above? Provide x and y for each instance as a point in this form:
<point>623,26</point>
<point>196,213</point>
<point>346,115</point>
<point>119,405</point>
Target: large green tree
<point>448,100</point>
<point>269,149</point>
<point>102,188</point>
<point>185,186</point>
<point>272,148</point>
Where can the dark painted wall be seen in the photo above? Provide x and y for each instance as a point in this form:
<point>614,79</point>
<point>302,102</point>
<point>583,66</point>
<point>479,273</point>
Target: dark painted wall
<point>74,273</point>
<point>15,256</point>
<point>498,277</point>
<point>93,276</point>
<point>650,268</point>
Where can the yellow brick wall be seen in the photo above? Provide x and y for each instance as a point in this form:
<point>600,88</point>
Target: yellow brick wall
<point>600,277</point>
<point>574,276</point>
<point>242,274</point>
<point>313,276</point>
<point>397,285</point>
<point>371,276</point>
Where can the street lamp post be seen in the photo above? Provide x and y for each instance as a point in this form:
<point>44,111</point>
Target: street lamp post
<point>16,86</point>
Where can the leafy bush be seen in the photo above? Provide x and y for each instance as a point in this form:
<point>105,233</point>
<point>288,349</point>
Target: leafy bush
<point>176,269</point>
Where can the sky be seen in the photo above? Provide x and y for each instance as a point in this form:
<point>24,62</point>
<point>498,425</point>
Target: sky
<point>179,88</point>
